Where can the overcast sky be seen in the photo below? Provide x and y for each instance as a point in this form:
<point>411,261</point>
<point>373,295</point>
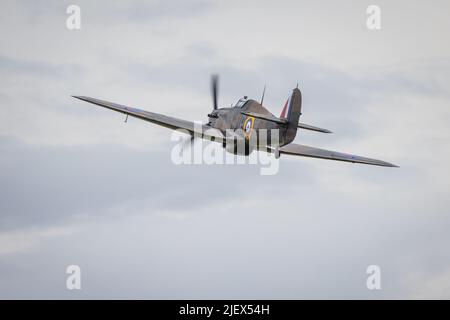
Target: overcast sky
<point>79,186</point>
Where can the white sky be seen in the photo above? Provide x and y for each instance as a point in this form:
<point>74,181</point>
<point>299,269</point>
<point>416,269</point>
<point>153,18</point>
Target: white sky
<point>78,186</point>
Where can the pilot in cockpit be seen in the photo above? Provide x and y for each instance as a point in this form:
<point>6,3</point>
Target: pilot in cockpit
<point>241,102</point>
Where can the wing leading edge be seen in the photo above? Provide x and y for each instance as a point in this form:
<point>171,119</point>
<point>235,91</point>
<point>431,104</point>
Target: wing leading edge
<point>160,119</point>
<point>306,151</point>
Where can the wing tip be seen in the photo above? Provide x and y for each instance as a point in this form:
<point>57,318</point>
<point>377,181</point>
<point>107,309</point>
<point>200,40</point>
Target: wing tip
<point>79,97</point>
<point>376,162</point>
<point>392,165</point>
<point>82,98</point>
<point>384,164</point>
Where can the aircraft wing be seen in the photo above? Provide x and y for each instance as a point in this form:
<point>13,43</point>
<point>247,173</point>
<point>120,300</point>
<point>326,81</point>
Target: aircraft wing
<point>305,151</point>
<point>169,122</point>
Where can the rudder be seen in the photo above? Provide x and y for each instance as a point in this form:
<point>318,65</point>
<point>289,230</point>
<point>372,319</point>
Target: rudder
<point>291,112</point>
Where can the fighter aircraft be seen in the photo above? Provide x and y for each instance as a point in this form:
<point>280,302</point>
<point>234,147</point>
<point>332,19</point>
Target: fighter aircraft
<point>243,123</point>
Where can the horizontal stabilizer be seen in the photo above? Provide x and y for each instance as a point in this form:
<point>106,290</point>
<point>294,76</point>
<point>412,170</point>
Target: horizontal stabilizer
<point>265,117</point>
<point>309,127</point>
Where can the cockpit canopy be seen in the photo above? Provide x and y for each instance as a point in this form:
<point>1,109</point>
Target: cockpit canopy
<point>241,102</point>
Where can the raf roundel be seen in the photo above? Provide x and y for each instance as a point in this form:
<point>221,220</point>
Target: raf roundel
<point>248,126</point>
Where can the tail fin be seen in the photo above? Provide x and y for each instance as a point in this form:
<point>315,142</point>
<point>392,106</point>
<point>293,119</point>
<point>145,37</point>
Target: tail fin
<point>291,112</point>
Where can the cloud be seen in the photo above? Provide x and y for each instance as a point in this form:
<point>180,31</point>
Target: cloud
<point>422,286</point>
<point>78,186</point>
<point>60,183</point>
<point>27,239</point>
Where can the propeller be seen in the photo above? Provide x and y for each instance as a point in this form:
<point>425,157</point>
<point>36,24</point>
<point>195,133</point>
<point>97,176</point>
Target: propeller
<point>214,94</point>
<point>214,89</point>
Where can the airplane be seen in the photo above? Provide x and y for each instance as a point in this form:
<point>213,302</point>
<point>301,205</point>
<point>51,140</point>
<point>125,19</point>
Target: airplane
<point>247,118</point>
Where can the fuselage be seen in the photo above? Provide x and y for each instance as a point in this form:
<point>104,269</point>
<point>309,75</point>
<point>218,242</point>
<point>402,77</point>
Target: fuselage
<point>249,127</point>
<point>250,123</point>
